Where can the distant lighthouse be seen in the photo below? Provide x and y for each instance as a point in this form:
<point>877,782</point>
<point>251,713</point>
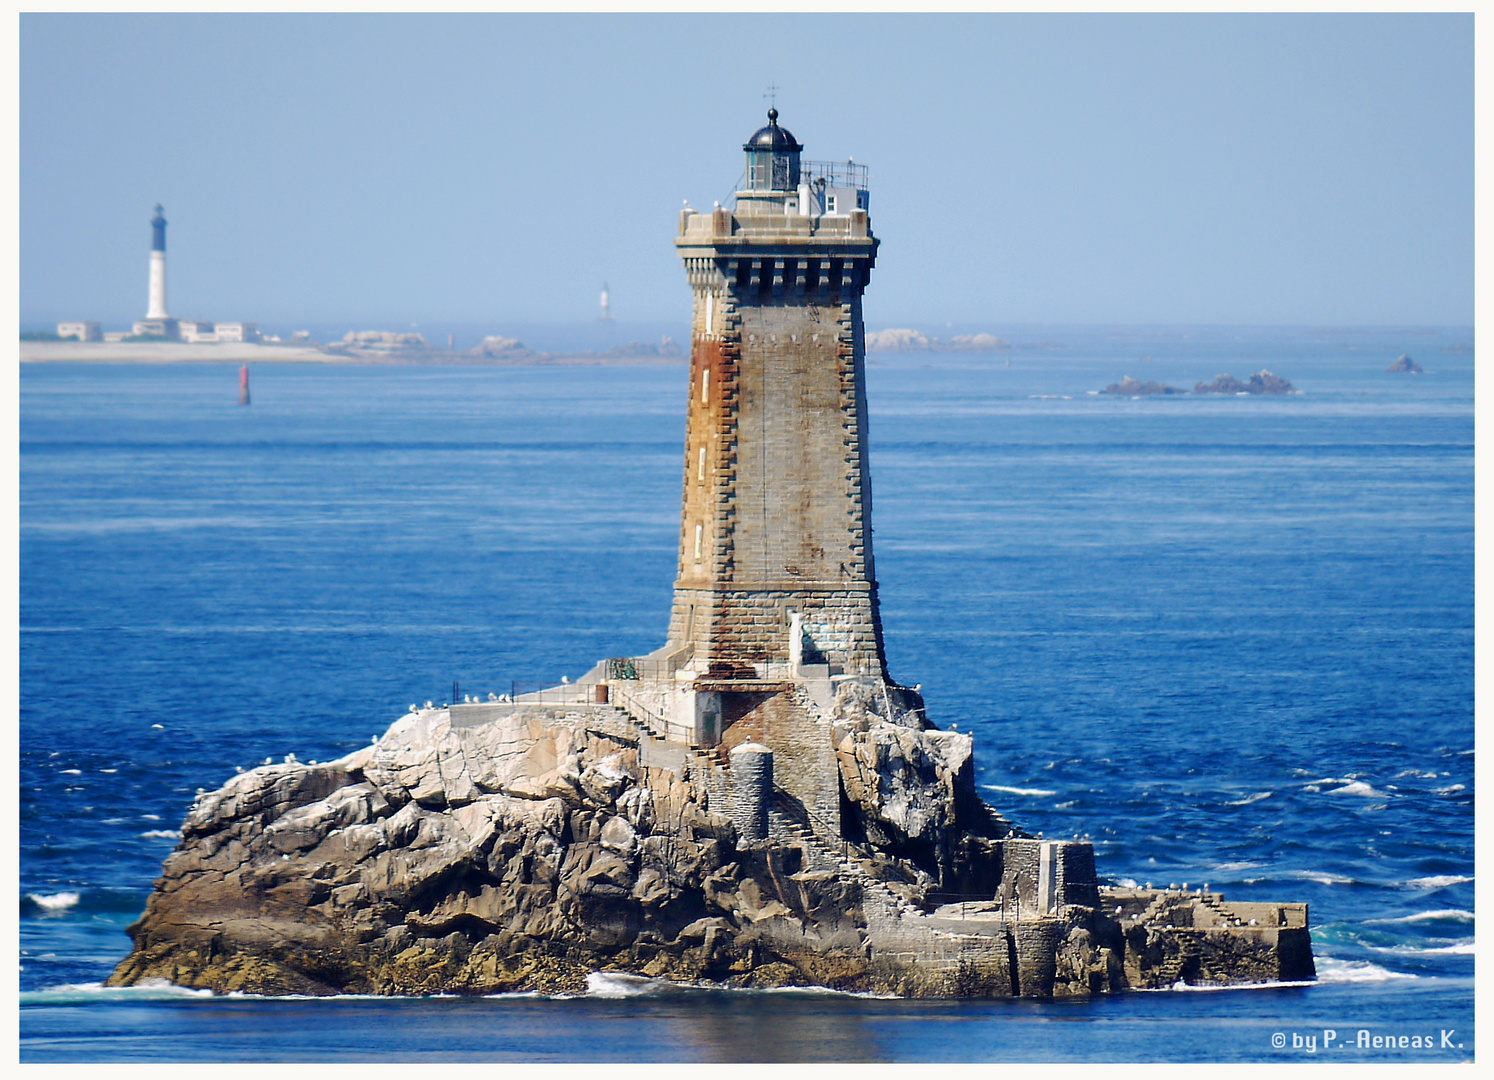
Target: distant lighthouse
<point>156,307</point>
<point>606,312</point>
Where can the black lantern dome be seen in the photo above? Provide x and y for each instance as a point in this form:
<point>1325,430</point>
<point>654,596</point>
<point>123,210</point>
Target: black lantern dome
<point>772,158</point>
<point>773,137</point>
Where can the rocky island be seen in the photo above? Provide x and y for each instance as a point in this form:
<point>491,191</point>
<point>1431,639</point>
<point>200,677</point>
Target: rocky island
<point>755,803</point>
<point>1262,382</point>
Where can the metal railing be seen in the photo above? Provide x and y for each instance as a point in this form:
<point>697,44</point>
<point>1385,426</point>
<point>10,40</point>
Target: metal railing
<point>630,668</point>
<point>841,174</point>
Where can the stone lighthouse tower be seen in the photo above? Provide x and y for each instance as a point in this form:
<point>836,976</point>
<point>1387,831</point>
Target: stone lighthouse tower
<point>156,304</point>
<point>775,637</point>
<point>776,576</point>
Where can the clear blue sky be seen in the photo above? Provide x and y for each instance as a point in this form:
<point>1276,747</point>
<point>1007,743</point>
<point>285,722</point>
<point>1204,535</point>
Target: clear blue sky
<point>383,170</point>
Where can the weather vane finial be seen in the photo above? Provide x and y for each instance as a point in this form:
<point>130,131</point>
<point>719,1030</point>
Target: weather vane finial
<point>772,95</point>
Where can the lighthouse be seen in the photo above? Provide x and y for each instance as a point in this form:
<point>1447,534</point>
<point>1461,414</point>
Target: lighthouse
<point>157,323</point>
<point>156,304</point>
<point>775,556</point>
<point>774,630</point>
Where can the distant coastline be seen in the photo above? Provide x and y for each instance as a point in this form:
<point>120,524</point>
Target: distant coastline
<point>171,352</point>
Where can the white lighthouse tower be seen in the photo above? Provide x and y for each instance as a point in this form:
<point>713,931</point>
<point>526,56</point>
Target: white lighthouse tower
<point>606,312</point>
<point>156,306</point>
<point>157,323</point>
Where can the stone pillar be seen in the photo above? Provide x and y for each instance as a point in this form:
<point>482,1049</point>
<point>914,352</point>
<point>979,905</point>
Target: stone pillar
<point>752,789</point>
<point>1036,944</point>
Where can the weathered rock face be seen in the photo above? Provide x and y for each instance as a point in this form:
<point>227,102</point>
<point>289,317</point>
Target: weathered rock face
<point>529,850</point>
<point>522,854</point>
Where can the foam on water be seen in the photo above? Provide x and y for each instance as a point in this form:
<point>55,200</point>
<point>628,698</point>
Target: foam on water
<point>1461,948</point>
<point>1440,915</point>
<point>1358,787</point>
<point>1035,792</point>
<point>53,901</point>
<point>1331,970</point>
<point>1438,881</point>
<point>616,984</point>
<point>93,993</point>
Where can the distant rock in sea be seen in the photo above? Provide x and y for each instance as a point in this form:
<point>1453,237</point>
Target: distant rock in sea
<point>1133,387</point>
<point>1262,382</point>
<point>1406,364</point>
<point>887,341</point>
<point>507,348</point>
<point>381,339</point>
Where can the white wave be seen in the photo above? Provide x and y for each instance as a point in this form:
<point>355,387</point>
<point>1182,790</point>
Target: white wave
<point>1359,787</point>
<point>1418,773</point>
<point>53,901</point>
<point>161,834</point>
<point>1038,792</point>
<point>1355,971</point>
<point>617,984</point>
<point>1257,797</point>
<point>1440,915</point>
<point>82,993</point>
<point>1448,790</point>
<point>1438,881</point>
<point>1322,877</point>
<point>1182,987</point>
<point>1228,867</point>
<point>1461,948</point>
<point>1128,883</point>
<point>72,772</point>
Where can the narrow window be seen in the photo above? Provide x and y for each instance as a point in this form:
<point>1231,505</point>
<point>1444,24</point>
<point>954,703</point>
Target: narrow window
<point>705,383</point>
<point>698,531</point>
<point>830,204</point>
<point>710,304</point>
<point>700,466</point>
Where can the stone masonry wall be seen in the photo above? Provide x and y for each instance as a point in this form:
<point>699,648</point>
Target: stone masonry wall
<point>776,494</point>
<point>803,757</point>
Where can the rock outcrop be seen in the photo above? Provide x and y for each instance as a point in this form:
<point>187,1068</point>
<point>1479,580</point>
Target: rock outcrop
<point>522,847</point>
<point>1262,382</point>
<point>1403,364</point>
<point>1133,387</point>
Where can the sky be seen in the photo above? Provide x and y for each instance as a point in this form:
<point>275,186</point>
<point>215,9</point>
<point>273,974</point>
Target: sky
<point>384,170</point>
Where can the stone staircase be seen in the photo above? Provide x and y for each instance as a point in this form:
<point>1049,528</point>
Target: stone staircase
<point>879,902</point>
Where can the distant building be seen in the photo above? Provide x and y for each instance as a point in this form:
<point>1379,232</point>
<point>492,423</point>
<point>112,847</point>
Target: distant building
<point>83,331</point>
<point>161,328</point>
<point>606,312</point>
<point>194,331</point>
<point>237,331</point>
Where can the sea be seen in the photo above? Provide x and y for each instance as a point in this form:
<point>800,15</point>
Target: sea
<point>1228,639</point>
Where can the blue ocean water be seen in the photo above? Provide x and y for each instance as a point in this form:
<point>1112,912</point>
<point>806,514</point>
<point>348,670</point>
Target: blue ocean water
<point>1230,640</point>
